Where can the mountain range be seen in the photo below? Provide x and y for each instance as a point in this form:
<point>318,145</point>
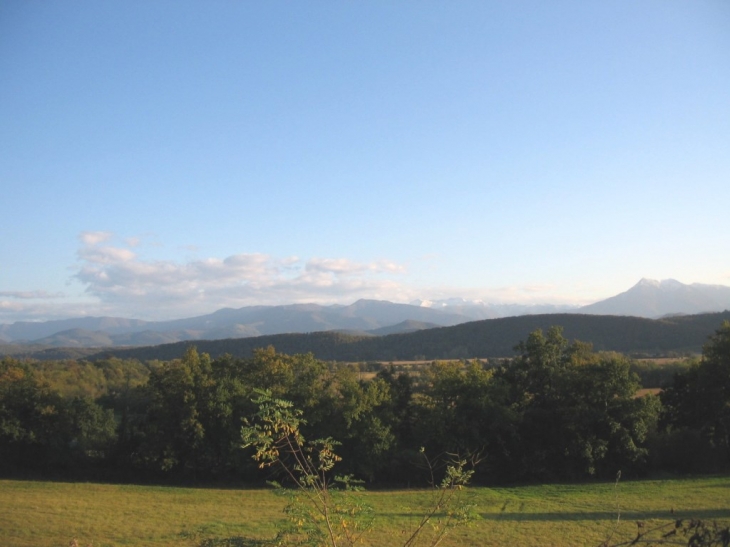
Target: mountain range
<point>647,299</point>
<point>634,336</point>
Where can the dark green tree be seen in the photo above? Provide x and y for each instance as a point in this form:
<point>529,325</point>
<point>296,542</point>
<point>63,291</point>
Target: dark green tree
<point>699,400</point>
<point>173,432</point>
<point>463,409</point>
<point>578,413</point>
<point>355,412</point>
<point>42,431</point>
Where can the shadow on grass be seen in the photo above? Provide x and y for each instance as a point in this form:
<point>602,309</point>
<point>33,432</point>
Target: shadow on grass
<point>702,514</point>
<point>236,541</point>
<point>608,515</point>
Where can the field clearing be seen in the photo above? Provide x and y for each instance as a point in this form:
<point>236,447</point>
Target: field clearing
<point>665,360</point>
<point>48,514</point>
<point>648,391</point>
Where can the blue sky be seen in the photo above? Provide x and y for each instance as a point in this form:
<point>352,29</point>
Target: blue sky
<point>164,159</point>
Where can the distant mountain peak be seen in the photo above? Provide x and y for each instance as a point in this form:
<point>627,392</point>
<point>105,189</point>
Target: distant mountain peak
<point>651,298</point>
<point>665,284</point>
<point>646,282</point>
<point>447,302</point>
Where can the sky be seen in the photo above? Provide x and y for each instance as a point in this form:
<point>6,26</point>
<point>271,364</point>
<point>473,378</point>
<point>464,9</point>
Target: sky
<point>166,159</point>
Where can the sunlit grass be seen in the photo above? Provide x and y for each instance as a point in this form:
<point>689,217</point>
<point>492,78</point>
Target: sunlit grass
<point>51,514</point>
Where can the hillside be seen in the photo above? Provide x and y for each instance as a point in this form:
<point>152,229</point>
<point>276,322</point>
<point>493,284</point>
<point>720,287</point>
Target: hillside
<point>648,298</point>
<point>487,338</point>
<point>251,321</point>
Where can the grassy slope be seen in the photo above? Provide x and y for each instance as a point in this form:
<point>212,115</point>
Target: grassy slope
<point>51,514</point>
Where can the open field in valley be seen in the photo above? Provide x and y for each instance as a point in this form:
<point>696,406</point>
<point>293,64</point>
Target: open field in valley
<point>48,514</point>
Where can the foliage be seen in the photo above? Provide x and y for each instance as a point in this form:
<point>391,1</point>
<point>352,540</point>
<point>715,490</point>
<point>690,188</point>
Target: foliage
<point>90,379</point>
<point>324,509</point>
<point>40,430</point>
<point>578,413</point>
<point>463,409</point>
<point>447,508</point>
<point>557,411</point>
<point>173,428</point>
<point>318,510</point>
<point>699,399</point>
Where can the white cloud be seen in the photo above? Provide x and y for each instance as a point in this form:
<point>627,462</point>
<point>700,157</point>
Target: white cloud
<point>105,255</point>
<point>341,266</point>
<point>48,310</point>
<point>344,266</point>
<point>30,295</point>
<point>94,238</point>
<point>7,306</point>
<point>388,266</point>
<point>119,282</point>
<point>120,279</point>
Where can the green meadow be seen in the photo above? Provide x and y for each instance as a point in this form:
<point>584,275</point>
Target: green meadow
<point>52,514</point>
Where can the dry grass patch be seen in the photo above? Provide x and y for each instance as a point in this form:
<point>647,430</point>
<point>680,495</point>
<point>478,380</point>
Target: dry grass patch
<point>47,514</point>
<point>51,514</point>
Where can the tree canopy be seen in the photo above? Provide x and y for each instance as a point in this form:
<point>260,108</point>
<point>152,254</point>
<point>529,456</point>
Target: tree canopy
<point>557,410</point>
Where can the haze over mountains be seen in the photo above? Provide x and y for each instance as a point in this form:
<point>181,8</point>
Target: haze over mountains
<point>648,299</point>
<point>652,299</point>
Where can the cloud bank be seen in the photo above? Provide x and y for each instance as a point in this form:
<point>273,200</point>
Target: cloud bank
<point>30,295</point>
<point>118,278</point>
<point>118,281</point>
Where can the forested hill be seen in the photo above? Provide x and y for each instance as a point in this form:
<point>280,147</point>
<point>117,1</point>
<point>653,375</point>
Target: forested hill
<point>488,338</point>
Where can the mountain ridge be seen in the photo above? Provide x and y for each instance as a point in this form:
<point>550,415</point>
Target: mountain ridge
<point>476,339</point>
<point>652,299</point>
<point>251,321</point>
<point>648,298</point>
<point>684,334</point>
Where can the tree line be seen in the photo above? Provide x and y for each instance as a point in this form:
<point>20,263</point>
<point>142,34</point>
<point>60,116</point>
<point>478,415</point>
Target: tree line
<point>558,410</point>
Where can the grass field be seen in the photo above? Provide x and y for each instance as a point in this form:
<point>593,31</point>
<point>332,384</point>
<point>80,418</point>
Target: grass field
<point>48,514</point>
